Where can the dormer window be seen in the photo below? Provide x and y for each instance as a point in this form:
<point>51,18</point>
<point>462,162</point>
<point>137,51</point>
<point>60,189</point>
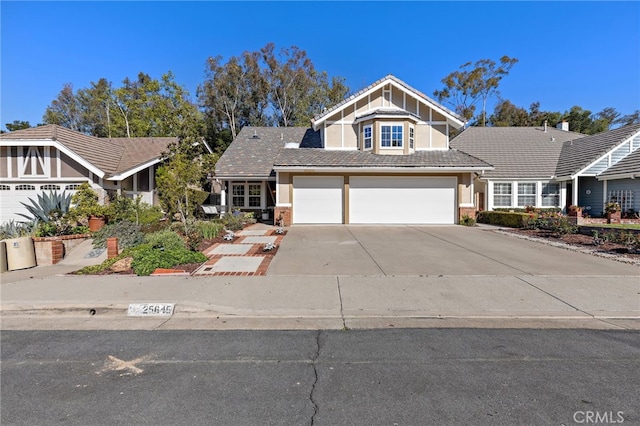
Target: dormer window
<point>391,136</point>
<point>368,137</point>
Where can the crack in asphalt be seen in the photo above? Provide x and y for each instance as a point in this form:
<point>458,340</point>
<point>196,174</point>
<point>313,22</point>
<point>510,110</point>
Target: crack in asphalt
<point>314,359</point>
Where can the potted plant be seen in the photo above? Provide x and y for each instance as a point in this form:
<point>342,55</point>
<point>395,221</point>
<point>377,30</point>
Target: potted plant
<point>613,211</point>
<point>86,206</point>
<point>575,211</point>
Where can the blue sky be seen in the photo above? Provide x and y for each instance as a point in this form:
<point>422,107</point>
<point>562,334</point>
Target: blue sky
<point>571,53</point>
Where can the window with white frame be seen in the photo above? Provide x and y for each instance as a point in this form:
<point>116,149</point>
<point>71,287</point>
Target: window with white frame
<point>50,187</point>
<point>368,136</point>
<point>391,136</point>
<point>550,194</point>
<point>246,195</point>
<point>526,194</point>
<point>237,194</point>
<point>502,194</point>
<point>411,133</point>
<point>254,194</point>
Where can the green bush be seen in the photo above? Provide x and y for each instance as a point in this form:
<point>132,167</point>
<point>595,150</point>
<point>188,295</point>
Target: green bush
<point>467,220</point>
<point>562,226</point>
<point>233,221</point>
<point>127,233</point>
<point>147,259</point>
<point>132,209</point>
<point>508,219</point>
<point>165,240</point>
<point>546,210</point>
<point>208,229</point>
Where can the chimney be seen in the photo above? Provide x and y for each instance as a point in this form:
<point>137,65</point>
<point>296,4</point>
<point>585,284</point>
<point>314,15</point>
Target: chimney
<point>563,125</point>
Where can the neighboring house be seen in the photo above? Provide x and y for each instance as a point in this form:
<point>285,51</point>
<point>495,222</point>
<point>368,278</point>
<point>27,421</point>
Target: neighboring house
<point>50,157</point>
<point>546,167</point>
<point>380,156</point>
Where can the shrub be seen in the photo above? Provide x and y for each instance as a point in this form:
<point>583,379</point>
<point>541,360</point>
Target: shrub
<point>128,234</point>
<point>529,209</point>
<point>208,229</point>
<point>165,240</point>
<point>147,259</point>
<point>233,221</point>
<point>133,210</point>
<point>508,219</point>
<point>467,220</point>
<point>562,226</point>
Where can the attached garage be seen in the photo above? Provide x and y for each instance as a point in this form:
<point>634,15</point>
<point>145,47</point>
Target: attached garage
<point>402,200</point>
<point>317,199</point>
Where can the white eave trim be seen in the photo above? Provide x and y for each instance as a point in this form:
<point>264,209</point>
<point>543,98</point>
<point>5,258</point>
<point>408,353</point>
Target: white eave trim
<point>247,178</point>
<point>59,146</point>
<point>580,172</point>
<point>316,169</point>
<point>632,175</point>
<point>133,171</point>
<point>431,103</point>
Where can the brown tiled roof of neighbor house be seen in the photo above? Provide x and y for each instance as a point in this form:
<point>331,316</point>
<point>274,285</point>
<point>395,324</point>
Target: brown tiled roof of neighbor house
<point>254,150</point>
<point>374,84</point>
<point>138,151</point>
<point>319,158</point>
<point>629,165</point>
<point>102,153</point>
<point>515,152</point>
<point>576,155</point>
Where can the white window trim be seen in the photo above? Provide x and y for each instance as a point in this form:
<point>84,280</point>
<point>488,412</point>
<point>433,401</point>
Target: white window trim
<point>518,194</point>
<point>391,125</point>
<point>558,194</point>
<point>364,138</point>
<point>412,137</point>
<point>493,195</point>
<point>245,185</point>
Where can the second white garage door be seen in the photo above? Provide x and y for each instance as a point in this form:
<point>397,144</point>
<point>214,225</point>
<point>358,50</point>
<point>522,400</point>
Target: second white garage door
<point>317,199</point>
<point>402,200</point>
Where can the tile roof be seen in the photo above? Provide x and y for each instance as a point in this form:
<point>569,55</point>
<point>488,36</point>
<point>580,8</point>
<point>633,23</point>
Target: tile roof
<point>515,152</point>
<point>138,151</point>
<point>111,155</point>
<point>629,165</point>
<point>255,149</point>
<point>329,111</point>
<point>581,153</point>
<point>102,153</point>
<point>325,158</point>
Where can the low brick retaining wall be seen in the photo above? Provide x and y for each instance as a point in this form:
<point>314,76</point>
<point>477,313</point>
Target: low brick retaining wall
<point>51,250</point>
<point>588,230</point>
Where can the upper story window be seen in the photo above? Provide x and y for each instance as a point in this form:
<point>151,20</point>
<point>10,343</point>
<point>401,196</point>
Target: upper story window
<point>368,137</point>
<point>391,136</point>
<point>411,137</point>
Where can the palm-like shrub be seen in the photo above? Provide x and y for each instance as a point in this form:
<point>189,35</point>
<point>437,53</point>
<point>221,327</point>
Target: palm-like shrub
<point>53,204</point>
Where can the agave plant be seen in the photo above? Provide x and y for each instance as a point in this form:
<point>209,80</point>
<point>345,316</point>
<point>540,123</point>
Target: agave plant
<point>41,211</point>
<point>13,229</point>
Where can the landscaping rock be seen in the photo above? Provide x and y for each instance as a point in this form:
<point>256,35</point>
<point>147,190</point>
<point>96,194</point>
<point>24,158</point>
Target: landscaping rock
<point>122,265</point>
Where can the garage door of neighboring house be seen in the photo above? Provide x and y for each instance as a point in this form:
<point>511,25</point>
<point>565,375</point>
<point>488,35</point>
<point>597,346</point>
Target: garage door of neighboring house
<point>317,199</point>
<point>402,200</point>
<point>12,195</point>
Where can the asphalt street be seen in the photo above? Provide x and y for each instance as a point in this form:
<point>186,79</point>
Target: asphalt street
<point>369,377</point>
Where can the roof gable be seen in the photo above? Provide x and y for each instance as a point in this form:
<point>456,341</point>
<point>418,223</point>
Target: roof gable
<point>451,116</point>
<point>579,155</point>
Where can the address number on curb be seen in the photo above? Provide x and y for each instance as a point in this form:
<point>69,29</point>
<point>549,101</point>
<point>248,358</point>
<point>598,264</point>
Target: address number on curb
<point>150,309</point>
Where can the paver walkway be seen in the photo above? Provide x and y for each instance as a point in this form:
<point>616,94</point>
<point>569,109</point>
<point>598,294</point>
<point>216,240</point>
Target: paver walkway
<point>242,257</point>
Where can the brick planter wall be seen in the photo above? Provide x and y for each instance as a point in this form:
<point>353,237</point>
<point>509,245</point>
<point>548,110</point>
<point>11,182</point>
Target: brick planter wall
<point>112,248</point>
<point>51,250</point>
<point>469,211</point>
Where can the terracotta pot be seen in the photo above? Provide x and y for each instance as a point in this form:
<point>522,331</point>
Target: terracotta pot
<point>96,223</point>
<point>614,217</point>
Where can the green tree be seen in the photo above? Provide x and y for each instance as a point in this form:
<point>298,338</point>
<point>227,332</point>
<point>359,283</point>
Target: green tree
<point>65,110</point>
<point>177,180</point>
<point>507,114</point>
<point>473,83</point>
<point>17,125</point>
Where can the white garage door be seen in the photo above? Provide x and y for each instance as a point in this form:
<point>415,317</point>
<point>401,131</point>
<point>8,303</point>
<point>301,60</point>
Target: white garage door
<point>402,200</point>
<point>12,195</point>
<point>317,199</point>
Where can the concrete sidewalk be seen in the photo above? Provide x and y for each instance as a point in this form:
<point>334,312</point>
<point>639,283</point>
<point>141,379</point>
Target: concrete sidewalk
<point>323,302</point>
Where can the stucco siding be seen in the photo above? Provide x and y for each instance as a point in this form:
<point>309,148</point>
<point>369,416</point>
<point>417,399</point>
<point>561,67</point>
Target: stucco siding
<point>71,168</point>
<point>439,137</point>
<point>283,188</point>
<point>333,136</point>
<point>3,162</point>
<point>422,136</point>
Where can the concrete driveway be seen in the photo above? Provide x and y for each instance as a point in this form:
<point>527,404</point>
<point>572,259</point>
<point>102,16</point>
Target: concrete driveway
<point>428,250</point>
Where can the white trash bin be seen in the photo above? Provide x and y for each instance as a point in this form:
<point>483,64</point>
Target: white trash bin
<point>21,253</point>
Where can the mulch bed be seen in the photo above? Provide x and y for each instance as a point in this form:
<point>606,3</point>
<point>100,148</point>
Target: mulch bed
<point>581,241</point>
